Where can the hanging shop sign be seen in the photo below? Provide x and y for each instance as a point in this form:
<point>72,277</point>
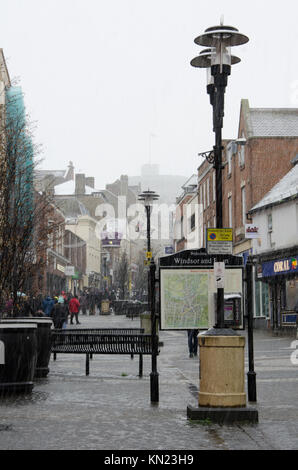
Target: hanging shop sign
<point>251,231</point>
<point>61,268</point>
<point>280,267</point>
<point>69,271</point>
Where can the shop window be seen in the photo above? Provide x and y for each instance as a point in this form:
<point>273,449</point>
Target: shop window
<point>265,299</point>
<point>261,299</point>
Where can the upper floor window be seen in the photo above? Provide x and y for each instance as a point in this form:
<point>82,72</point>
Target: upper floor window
<point>241,153</point>
<point>193,222</point>
<point>270,230</point>
<point>269,222</point>
<point>208,193</point>
<point>229,159</point>
<point>214,186</point>
<point>230,211</point>
<point>201,195</point>
<point>243,199</point>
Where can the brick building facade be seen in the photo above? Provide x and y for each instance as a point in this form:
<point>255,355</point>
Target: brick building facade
<point>250,170</point>
<point>184,222</point>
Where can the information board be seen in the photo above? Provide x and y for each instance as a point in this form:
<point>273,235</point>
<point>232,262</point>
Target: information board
<point>187,296</point>
<point>184,298</point>
<point>187,288</point>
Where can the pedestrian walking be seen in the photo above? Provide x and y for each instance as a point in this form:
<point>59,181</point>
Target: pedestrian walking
<point>74,308</point>
<point>193,342</point>
<point>91,303</point>
<point>59,314</point>
<point>25,309</point>
<point>48,305</point>
<point>8,307</point>
<point>83,303</point>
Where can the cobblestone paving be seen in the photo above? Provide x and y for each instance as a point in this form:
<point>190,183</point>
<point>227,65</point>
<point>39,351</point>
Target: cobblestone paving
<point>111,410</point>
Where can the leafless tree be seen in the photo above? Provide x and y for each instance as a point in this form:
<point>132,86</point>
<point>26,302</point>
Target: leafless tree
<point>24,231</point>
<point>122,275</point>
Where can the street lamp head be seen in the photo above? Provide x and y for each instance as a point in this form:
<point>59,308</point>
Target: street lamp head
<point>204,60</point>
<point>148,197</point>
<point>221,39</point>
<point>225,35</point>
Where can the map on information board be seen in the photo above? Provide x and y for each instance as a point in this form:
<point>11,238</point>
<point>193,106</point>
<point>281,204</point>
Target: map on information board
<point>184,298</point>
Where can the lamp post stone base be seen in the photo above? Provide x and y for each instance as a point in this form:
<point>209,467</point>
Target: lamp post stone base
<point>223,415</point>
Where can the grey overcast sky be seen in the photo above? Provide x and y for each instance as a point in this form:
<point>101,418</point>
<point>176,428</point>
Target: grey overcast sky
<point>110,86</point>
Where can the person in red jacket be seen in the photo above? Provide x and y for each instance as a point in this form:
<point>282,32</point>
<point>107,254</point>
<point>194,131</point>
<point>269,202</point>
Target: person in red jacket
<point>74,308</point>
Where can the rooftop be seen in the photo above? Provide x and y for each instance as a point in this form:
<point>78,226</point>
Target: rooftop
<point>270,122</point>
<point>68,188</point>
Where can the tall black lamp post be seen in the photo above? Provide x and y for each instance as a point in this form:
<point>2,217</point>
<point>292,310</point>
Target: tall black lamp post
<point>148,197</point>
<point>218,60</point>
<point>221,394</point>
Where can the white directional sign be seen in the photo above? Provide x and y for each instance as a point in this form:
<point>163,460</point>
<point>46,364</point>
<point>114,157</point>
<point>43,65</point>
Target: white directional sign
<point>219,274</point>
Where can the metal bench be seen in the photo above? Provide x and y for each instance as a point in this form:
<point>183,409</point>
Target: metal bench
<point>102,341</point>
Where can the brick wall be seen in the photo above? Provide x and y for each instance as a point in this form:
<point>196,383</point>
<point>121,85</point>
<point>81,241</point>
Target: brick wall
<point>266,161</point>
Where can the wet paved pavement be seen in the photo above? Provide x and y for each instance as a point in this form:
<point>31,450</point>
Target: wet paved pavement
<point>111,410</point>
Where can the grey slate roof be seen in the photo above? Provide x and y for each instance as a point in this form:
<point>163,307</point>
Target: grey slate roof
<point>71,206</point>
<point>285,189</point>
<point>273,122</point>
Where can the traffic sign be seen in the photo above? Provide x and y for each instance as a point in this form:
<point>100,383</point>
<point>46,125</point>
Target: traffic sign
<point>220,234</point>
<point>219,241</point>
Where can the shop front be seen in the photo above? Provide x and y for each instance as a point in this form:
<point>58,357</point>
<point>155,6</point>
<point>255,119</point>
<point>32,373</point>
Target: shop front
<point>280,273</point>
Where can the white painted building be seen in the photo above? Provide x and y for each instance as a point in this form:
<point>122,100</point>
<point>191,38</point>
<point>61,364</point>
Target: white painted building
<point>276,251</point>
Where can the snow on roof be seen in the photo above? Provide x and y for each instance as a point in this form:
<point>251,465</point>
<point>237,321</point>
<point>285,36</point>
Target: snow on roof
<point>286,188</point>
<point>89,190</point>
<point>68,188</point>
<point>192,181</point>
<point>65,189</point>
<point>274,122</point>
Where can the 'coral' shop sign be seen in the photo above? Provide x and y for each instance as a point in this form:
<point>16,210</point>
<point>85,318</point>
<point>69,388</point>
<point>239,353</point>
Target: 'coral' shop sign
<point>279,267</point>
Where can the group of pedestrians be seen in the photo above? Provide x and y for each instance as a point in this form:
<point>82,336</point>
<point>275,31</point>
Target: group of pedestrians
<point>60,307</point>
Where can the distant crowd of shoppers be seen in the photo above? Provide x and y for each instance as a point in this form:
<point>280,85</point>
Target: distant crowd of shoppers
<point>60,308</point>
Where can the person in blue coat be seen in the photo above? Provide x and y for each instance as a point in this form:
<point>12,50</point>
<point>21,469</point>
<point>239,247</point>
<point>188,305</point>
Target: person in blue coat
<point>48,305</point>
